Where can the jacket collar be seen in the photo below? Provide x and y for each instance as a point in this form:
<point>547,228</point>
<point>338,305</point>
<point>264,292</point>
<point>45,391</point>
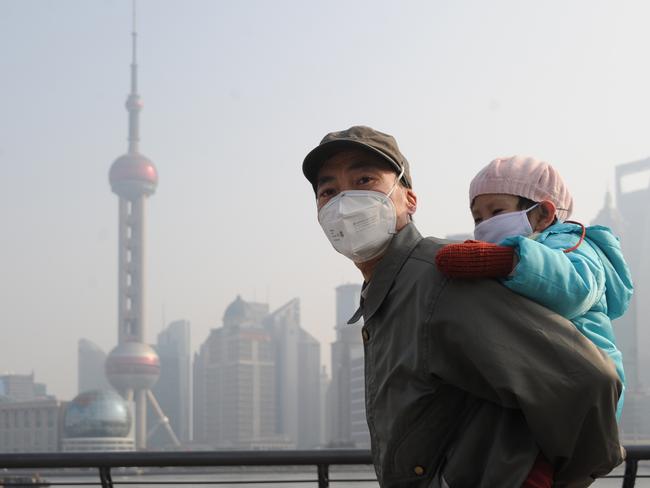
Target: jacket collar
<point>377,288</point>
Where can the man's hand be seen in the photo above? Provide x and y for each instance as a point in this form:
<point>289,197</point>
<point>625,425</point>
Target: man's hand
<point>476,259</point>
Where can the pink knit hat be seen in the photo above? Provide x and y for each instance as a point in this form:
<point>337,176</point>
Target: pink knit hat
<point>525,177</point>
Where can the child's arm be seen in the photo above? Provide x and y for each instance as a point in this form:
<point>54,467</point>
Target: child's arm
<point>567,283</point>
<point>476,259</point>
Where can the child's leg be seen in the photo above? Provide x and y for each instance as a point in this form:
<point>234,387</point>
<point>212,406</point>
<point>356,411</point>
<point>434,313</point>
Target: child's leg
<point>541,475</point>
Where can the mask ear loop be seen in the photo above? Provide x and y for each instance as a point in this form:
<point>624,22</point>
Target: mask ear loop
<point>582,236</point>
<point>399,177</point>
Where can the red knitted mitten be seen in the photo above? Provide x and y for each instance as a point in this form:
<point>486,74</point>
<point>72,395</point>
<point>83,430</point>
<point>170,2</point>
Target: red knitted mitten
<point>476,259</point>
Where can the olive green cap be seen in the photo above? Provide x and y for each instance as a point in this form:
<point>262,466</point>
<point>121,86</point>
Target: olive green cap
<point>356,137</point>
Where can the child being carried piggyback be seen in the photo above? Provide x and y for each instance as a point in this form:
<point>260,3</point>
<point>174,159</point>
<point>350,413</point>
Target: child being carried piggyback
<point>520,206</point>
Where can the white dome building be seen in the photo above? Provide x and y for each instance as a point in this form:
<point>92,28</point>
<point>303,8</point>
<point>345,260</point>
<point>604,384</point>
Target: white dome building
<point>97,420</point>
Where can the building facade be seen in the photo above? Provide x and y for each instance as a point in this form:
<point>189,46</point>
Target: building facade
<point>91,367</point>
<point>629,218</point>
<point>20,387</point>
<point>173,389</point>
<point>30,426</point>
<point>234,378</point>
<point>297,384</point>
<point>257,381</point>
<point>346,395</point>
<point>97,421</point>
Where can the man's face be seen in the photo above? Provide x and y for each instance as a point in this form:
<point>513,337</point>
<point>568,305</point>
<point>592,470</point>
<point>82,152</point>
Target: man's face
<point>362,170</point>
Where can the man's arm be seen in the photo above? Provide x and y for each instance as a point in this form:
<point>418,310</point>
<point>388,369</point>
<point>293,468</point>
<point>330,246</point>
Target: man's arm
<point>509,350</point>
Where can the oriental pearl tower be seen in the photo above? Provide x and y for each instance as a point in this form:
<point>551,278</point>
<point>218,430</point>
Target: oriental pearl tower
<point>133,367</point>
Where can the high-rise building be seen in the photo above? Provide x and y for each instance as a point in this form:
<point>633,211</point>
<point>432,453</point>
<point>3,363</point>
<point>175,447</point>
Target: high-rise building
<point>297,369</point>
<point>257,380</point>
<point>324,408</point>
<point>173,389</point>
<point>346,396</point>
<point>630,220</point>
<point>359,433</point>
<point>91,367</point>
<point>634,230</point>
<point>133,366</point>
<point>234,382</point>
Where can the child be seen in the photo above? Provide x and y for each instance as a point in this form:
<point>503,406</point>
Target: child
<point>520,206</point>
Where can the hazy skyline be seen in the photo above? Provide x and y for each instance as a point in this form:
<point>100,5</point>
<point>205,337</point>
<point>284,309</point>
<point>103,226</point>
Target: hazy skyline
<point>235,94</point>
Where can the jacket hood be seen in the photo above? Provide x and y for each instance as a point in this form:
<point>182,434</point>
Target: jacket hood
<point>618,280</point>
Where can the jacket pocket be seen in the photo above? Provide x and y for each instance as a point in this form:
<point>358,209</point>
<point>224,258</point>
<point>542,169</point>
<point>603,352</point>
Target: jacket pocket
<point>423,448</point>
<point>419,451</point>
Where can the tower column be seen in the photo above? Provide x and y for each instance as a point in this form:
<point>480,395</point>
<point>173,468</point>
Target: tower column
<point>141,419</point>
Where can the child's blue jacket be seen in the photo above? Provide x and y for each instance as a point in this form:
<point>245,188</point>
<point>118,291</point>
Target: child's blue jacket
<point>590,286</point>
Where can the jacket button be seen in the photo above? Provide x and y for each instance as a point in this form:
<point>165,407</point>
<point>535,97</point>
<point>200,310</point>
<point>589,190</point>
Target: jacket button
<point>365,335</point>
<point>418,470</point>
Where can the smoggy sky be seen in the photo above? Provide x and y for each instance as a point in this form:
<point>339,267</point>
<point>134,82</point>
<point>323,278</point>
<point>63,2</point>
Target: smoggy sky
<point>235,93</point>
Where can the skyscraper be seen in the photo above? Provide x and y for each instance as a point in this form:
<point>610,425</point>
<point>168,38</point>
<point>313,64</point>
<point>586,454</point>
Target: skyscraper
<point>257,380</point>
<point>632,222</point>
<point>297,377</point>
<point>91,361</point>
<point>173,389</point>
<point>346,392</point>
<point>234,403</point>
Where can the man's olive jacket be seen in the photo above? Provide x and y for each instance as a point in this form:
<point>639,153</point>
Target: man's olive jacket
<point>466,382</point>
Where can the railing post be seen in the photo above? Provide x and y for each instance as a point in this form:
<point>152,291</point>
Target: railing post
<point>105,477</point>
<point>629,479</point>
<point>323,476</point>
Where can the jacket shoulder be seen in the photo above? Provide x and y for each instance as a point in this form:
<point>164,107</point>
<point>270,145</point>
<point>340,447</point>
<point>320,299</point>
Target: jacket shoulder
<point>427,249</point>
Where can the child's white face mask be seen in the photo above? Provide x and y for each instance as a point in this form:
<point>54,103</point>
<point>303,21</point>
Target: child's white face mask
<point>499,227</point>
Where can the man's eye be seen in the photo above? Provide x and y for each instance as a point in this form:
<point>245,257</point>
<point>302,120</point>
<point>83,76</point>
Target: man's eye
<point>364,180</point>
<point>497,211</point>
<point>326,193</point>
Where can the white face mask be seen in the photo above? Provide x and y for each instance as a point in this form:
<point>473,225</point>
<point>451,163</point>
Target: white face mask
<point>360,223</point>
<point>497,228</point>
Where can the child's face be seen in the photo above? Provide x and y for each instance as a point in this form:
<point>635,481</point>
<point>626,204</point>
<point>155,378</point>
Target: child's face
<point>487,206</point>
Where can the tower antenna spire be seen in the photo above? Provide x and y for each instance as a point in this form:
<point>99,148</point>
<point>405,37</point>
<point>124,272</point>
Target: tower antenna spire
<point>134,35</point>
<point>133,103</point>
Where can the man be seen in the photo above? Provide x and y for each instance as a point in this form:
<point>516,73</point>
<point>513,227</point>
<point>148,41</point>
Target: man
<point>467,383</point>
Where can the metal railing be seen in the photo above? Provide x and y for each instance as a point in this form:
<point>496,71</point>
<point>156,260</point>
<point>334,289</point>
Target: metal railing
<point>321,460</point>
<point>634,455</point>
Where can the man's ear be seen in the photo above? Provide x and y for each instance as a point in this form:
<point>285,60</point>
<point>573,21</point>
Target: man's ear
<point>411,201</point>
<point>545,215</point>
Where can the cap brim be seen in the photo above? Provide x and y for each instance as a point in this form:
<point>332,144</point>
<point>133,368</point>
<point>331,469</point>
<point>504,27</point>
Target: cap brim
<point>321,153</point>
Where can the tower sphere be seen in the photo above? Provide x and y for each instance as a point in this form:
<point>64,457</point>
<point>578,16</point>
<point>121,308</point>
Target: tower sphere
<point>132,366</point>
<point>132,175</point>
